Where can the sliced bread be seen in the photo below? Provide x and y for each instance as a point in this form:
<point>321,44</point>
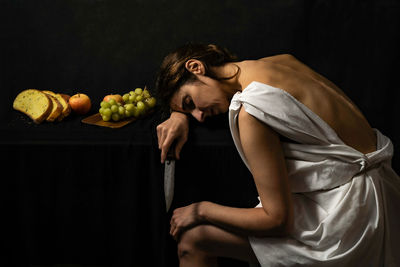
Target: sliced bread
<point>66,108</point>
<point>56,111</point>
<point>34,103</point>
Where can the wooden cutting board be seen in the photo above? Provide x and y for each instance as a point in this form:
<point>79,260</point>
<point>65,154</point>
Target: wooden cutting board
<point>97,120</point>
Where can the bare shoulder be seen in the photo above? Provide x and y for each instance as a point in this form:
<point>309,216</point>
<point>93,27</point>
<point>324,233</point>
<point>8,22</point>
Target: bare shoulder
<point>291,62</point>
<point>281,58</point>
<point>273,68</point>
<point>260,70</point>
<point>270,61</point>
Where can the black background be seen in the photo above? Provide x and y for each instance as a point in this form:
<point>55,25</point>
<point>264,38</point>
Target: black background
<point>99,47</point>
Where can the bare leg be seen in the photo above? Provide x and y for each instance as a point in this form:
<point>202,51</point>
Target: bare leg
<point>201,245</point>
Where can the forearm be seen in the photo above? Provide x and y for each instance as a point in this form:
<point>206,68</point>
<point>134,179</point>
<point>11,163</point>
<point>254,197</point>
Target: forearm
<point>249,222</point>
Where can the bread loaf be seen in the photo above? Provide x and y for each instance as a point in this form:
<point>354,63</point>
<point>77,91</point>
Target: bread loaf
<point>66,108</point>
<point>34,103</point>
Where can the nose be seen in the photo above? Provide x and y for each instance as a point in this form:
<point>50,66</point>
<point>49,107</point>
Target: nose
<point>198,115</point>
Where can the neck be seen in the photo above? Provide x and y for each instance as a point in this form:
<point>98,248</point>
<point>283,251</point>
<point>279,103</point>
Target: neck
<point>232,85</point>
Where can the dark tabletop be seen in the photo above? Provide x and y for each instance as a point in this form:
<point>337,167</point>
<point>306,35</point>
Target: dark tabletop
<point>79,193</point>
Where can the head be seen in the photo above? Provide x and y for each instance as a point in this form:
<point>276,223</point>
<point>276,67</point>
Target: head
<point>188,80</point>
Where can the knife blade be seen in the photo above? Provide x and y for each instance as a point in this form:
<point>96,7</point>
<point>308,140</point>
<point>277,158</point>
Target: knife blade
<point>169,177</point>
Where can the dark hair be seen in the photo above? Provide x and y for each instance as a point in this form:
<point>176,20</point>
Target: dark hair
<point>173,73</point>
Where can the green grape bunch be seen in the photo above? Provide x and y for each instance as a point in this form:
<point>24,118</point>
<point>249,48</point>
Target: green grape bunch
<point>136,103</point>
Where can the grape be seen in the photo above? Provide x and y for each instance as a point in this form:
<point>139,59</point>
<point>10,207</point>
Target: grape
<point>114,108</point>
<point>132,98</point>
<point>128,113</point>
<point>101,110</point>
<point>115,117</point>
<point>129,107</point>
<point>151,102</point>
<point>140,106</point>
<point>107,112</point>
<point>121,111</point>
<point>112,102</point>
<point>138,91</point>
<point>105,104</point>
<point>139,98</point>
<point>105,117</point>
<point>125,97</point>
<point>131,92</point>
<point>135,112</point>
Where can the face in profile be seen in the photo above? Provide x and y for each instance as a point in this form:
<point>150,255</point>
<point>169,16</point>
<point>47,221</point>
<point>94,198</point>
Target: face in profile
<point>202,98</point>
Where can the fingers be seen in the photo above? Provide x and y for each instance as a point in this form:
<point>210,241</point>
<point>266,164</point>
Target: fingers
<point>174,229</point>
<point>177,223</point>
<point>165,147</point>
<point>160,135</point>
<point>175,234</point>
<point>165,140</point>
<point>175,128</point>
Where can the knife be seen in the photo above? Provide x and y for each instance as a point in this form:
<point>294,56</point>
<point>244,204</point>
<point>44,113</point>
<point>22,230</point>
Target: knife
<point>169,177</point>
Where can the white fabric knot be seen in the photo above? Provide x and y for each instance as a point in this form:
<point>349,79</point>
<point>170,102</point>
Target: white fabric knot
<point>364,163</point>
<point>235,102</point>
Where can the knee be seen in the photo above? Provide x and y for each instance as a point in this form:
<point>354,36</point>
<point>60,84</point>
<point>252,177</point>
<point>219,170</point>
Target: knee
<point>192,242</point>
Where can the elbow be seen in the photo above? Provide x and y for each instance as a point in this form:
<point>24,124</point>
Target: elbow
<point>283,226</point>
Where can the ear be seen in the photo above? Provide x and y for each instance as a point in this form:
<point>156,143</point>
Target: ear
<point>195,66</point>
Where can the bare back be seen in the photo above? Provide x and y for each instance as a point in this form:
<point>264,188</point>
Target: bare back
<point>317,93</point>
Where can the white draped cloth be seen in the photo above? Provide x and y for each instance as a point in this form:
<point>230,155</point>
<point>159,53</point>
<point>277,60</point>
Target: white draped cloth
<point>345,202</point>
